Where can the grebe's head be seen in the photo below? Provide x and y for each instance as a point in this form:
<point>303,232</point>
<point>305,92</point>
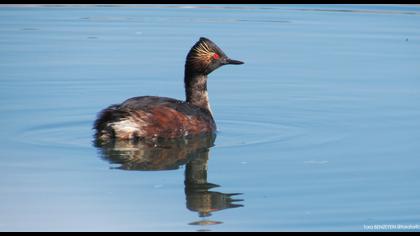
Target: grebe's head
<point>205,57</point>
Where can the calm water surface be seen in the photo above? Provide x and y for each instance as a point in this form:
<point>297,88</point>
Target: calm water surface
<point>318,130</point>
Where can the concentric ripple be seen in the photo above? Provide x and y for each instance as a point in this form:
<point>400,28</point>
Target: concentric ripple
<point>72,134</point>
<point>231,133</point>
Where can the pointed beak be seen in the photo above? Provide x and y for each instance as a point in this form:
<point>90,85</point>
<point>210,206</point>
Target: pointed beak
<point>233,62</point>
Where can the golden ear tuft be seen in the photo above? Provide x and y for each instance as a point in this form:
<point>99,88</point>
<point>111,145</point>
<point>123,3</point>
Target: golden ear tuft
<point>203,54</point>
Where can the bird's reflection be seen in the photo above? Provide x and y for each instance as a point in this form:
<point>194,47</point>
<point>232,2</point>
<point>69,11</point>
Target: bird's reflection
<point>171,154</point>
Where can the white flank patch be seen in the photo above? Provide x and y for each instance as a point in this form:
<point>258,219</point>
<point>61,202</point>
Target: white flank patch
<point>125,126</point>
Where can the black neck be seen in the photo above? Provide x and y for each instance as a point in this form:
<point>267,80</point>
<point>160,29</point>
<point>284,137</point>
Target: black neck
<point>196,89</point>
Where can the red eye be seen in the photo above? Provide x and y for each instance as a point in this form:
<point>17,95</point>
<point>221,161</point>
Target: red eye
<point>216,56</point>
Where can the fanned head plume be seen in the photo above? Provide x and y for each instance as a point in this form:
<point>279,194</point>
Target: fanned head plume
<point>205,56</point>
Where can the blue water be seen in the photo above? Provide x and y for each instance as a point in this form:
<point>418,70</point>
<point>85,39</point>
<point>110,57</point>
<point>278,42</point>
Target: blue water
<point>318,130</point>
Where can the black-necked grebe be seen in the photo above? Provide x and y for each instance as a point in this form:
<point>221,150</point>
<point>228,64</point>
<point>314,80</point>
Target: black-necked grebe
<point>161,117</point>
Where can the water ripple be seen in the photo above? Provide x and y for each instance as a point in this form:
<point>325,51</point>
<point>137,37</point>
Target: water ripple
<point>71,134</point>
<point>231,133</point>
